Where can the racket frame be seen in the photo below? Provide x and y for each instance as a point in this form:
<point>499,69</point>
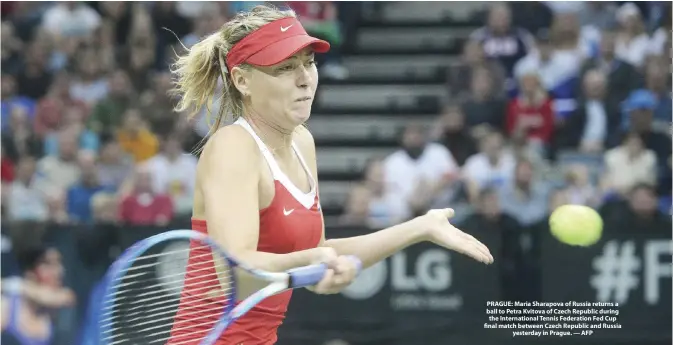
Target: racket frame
<point>127,258</point>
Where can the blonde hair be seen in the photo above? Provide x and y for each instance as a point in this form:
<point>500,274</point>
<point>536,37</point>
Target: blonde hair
<point>199,70</point>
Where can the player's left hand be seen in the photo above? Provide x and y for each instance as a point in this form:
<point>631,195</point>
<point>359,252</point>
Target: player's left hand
<point>440,231</point>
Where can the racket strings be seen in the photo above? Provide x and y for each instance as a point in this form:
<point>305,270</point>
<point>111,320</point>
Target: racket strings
<point>139,305</point>
<point>172,252</point>
<point>155,286</point>
<point>218,305</point>
<point>177,294</point>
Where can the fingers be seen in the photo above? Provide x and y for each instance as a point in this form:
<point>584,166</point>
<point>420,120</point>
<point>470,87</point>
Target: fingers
<point>325,284</point>
<point>443,213</point>
<point>480,248</point>
<point>345,271</point>
<point>341,273</point>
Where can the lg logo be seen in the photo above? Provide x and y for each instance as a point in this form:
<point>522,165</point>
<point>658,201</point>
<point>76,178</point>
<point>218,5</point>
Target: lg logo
<point>431,271</point>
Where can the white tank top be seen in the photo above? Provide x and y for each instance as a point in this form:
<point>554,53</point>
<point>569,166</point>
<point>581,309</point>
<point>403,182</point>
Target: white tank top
<point>306,199</point>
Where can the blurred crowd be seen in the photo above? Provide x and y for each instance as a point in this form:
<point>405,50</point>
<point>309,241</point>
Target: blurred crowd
<point>88,130</point>
<point>551,104</point>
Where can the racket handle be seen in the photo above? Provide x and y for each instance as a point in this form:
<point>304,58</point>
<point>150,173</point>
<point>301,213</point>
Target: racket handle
<point>311,275</point>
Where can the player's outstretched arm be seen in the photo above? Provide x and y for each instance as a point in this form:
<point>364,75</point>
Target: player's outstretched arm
<point>433,226</point>
<point>374,247</point>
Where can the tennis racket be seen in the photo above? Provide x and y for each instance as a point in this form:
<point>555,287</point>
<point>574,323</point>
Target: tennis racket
<point>156,293</point>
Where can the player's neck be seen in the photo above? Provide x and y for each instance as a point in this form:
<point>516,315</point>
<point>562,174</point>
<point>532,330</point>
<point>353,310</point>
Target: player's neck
<point>276,138</point>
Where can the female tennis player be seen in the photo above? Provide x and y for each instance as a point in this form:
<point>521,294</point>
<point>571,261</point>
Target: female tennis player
<point>256,189</point>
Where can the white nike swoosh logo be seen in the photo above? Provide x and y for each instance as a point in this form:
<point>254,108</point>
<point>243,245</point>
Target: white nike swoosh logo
<point>287,213</point>
<point>282,29</point>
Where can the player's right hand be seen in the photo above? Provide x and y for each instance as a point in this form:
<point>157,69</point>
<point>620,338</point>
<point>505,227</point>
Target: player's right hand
<point>340,273</point>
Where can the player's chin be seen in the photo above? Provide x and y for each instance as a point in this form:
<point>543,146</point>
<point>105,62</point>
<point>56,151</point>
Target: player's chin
<point>299,116</point>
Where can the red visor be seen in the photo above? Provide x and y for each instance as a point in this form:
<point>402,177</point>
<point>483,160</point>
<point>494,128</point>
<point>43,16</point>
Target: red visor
<point>273,43</point>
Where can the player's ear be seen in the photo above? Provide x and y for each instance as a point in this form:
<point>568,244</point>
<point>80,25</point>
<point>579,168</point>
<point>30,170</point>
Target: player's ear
<point>240,77</point>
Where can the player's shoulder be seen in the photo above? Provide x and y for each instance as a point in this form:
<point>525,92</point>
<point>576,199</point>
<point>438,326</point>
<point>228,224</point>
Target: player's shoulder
<point>231,141</point>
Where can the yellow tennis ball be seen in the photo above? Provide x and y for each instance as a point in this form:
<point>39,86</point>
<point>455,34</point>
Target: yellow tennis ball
<point>576,225</point>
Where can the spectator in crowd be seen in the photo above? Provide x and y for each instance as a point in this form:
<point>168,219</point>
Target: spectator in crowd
<point>57,207</point>
<point>598,14</point>
<point>500,40</point>
<point>657,75</point>
<point>157,105</point>
<point>18,138</point>
<point>492,167</point>
<point>369,204</point>
<point>571,37</point>
<point>632,41</point>
<point>173,172</point>
<point>26,199</point>
<point>489,217</point>
<point>660,43</point>
<point>622,76</point>
<point>141,49</point>
<point>580,189</point>
<point>135,137</point>
<point>209,20</point>
<point>596,116</point>
<point>530,115</point>
<point>10,49</point>
<point>450,131</point>
<point>472,60</point>
<point>532,16</point>
<point>28,302</point>
<point>71,19</point>
<point>638,112</point>
<point>114,167</point>
<point>34,78</point>
<point>638,213</point>
<point>526,198</point>
<point>629,165</point>
<point>51,109</point>
<point>105,48</point>
<point>484,108</point>
<point>356,208</point>
<point>107,114</point>
<point>164,15</point>
<point>558,71</point>
<point>73,123</point>
<point>10,100</point>
<point>118,15</point>
<point>79,195</point>
<point>419,172</point>
<point>142,205</point>
<point>60,172</point>
<point>90,86</point>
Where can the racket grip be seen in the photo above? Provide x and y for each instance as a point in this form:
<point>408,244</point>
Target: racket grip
<point>311,275</point>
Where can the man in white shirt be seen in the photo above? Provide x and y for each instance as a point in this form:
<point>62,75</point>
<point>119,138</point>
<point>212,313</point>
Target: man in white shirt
<point>26,200</point>
<point>419,172</point>
<point>492,167</point>
<point>174,172</point>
